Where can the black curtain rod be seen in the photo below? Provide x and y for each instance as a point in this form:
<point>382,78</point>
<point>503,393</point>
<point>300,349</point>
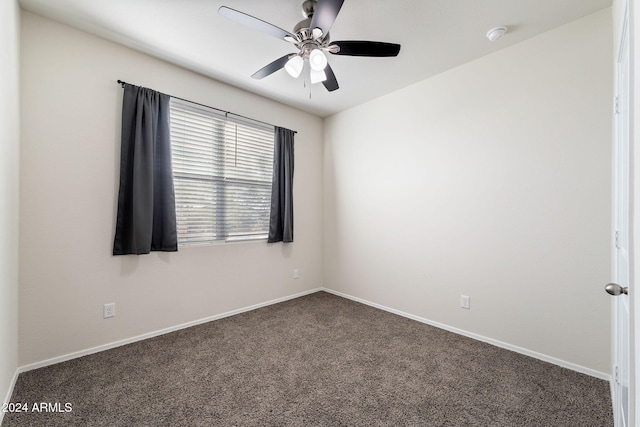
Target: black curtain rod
<point>122,83</point>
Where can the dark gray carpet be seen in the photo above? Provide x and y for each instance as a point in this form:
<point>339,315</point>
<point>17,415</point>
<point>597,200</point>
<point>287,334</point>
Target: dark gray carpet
<point>319,360</point>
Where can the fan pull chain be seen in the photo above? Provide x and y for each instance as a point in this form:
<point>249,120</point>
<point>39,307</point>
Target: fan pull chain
<point>305,85</point>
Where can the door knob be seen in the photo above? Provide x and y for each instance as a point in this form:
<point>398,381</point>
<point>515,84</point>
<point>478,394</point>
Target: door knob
<point>615,289</point>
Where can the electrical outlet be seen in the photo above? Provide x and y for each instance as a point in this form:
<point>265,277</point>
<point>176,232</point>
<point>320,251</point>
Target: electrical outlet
<point>109,310</point>
<point>465,302</point>
<point>296,274</point>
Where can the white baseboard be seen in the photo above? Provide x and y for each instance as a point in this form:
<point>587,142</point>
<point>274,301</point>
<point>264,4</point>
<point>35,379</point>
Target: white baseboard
<point>7,398</point>
<point>77,354</point>
<point>526,352</point>
<point>478,337</point>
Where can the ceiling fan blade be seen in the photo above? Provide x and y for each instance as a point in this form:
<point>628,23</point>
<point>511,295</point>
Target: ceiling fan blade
<point>331,83</point>
<point>272,67</point>
<point>255,23</point>
<point>325,15</point>
<point>366,48</point>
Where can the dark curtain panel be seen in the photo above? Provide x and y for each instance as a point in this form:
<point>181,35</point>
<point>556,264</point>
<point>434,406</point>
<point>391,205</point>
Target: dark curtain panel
<point>146,201</point>
<point>281,220</point>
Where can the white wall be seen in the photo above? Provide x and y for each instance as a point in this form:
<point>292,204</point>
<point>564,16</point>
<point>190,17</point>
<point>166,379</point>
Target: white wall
<point>71,108</point>
<point>491,180</point>
<point>9,162</point>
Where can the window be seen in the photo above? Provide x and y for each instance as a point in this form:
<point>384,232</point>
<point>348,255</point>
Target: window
<point>222,172</point>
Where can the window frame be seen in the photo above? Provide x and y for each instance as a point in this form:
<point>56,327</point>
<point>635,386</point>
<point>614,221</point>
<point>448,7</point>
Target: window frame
<point>240,194</point>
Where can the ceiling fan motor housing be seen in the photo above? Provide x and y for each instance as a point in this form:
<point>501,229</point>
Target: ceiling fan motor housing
<point>303,28</point>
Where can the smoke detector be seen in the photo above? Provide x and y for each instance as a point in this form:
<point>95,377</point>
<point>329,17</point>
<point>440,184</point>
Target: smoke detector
<point>496,33</point>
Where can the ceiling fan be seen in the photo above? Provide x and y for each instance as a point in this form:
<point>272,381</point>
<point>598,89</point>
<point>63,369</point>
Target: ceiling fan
<point>311,37</point>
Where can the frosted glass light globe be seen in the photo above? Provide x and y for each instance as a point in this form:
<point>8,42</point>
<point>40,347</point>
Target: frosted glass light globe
<point>294,66</point>
<point>317,76</point>
<point>317,60</point>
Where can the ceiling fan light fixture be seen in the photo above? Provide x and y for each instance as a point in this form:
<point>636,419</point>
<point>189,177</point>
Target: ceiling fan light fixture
<point>317,60</point>
<point>294,66</point>
<point>311,39</point>
<point>317,76</point>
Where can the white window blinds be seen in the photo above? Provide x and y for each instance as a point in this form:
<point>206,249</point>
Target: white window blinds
<point>222,171</point>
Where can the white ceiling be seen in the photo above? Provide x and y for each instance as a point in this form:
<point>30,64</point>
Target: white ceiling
<point>435,35</point>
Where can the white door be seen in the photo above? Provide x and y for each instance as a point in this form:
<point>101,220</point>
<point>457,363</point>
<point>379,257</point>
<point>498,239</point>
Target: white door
<point>621,259</point>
